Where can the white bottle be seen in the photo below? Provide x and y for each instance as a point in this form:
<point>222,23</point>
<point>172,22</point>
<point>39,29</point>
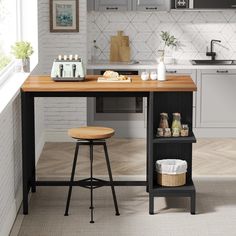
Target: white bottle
<point>161,74</point>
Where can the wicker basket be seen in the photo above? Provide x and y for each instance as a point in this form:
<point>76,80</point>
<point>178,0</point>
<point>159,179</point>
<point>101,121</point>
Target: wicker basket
<point>171,180</point>
<point>171,172</point>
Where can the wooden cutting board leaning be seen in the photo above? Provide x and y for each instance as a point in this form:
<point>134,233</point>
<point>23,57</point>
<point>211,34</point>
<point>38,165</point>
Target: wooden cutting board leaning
<point>119,48</point>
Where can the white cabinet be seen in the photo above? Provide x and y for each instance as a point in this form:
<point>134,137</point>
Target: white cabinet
<point>151,5</point>
<point>113,5</point>
<point>216,99</point>
<point>128,5</point>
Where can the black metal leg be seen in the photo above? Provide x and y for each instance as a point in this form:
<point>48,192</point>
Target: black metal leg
<point>91,181</point>
<point>111,179</point>
<point>28,147</point>
<point>147,143</point>
<point>193,204</point>
<point>151,204</point>
<point>72,179</point>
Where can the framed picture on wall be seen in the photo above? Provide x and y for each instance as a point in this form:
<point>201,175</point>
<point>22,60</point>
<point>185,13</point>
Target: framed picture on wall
<point>64,15</point>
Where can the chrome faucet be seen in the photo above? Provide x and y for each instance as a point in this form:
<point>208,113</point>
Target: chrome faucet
<point>211,53</point>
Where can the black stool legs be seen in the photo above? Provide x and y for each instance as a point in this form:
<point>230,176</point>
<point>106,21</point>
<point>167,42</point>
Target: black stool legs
<point>89,181</point>
<point>72,179</point>
<point>111,179</point>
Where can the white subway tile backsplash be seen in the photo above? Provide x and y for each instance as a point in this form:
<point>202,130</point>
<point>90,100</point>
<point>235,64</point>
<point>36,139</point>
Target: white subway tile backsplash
<point>153,22</point>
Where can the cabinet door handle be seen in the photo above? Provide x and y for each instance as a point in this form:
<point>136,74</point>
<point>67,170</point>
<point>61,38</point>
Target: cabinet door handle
<point>233,6</point>
<point>112,8</point>
<point>151,8</point>
<point>222,71</point>
<point>171,71</point>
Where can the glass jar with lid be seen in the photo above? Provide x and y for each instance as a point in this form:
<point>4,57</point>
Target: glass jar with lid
<point>176,123</point>
<point>164,121</point>
<point>184,130</point>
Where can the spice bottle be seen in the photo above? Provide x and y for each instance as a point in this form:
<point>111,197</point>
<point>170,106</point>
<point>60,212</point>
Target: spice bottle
<point>184,130</point>
<point>160,132</point>
<point>163,121</point>
<point>176,124</point>
<point>167,132</point>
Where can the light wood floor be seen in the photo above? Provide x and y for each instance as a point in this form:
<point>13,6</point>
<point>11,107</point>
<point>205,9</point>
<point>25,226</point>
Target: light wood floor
<point>216,212</point>
<point>210,157</point>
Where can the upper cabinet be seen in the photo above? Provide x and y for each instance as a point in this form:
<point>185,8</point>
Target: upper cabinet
<point>151,5</point>
<point>203,4</point>
<point>129,5</point>
<point>158,5</point>
<point>113,5</point>
<point>214,4</point>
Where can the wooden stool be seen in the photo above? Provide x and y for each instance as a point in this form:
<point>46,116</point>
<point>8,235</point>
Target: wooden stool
<point>91,136</point>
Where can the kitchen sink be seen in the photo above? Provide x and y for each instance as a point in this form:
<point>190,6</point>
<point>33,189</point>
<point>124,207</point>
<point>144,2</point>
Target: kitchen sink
<point>213,62</point>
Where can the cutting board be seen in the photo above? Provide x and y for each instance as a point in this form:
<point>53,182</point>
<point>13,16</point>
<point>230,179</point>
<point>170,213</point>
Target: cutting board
<point>119,48</point>
<point>113,80</point>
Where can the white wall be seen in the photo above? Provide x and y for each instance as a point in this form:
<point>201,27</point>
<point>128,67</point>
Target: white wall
<point>10,165</point>
<point>61,113</point>
<point>10,134</point>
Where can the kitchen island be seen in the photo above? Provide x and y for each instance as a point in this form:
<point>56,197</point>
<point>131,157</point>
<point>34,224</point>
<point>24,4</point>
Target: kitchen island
<point>173,95</point>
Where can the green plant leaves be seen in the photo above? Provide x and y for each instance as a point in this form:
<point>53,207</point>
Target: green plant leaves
<point>169,40</point>
<point>22,50</point>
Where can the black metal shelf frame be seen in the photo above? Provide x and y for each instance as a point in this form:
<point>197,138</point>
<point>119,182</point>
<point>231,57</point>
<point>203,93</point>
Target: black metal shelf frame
<point>156,147</point>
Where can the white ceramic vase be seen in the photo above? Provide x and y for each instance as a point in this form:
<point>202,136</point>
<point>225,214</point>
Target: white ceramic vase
<point>22,65</point>
<point>161,71</point>
<point>26,65</point>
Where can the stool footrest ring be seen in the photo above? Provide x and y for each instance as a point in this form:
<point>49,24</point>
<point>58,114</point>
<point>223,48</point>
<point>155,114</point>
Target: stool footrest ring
<point>97,183</point>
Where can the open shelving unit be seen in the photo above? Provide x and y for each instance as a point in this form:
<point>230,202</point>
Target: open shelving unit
<point>170,147</point>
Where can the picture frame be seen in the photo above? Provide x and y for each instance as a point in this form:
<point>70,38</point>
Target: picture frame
<point>64,15</point>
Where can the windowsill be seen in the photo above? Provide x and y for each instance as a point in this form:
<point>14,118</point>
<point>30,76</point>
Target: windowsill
<point>6,72</point>
<point>11,87</point>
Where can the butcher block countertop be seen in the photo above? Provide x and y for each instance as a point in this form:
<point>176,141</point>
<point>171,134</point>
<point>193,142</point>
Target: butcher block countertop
<point>172,84</point>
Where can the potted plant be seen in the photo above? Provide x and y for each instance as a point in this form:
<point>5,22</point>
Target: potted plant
<point>22,51</point>
<point>169,41</point>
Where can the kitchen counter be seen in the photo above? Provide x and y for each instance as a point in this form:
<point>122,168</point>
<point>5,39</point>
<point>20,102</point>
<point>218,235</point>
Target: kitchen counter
<point>46,84</point>
<point>175,94</point>
<point>151,65</point>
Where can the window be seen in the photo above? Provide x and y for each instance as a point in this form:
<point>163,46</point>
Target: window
<point>8,33</point>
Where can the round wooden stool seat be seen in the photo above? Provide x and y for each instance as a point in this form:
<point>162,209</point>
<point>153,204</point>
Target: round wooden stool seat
<point>91,133</point>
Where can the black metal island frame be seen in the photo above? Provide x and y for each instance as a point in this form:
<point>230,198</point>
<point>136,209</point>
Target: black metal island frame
<point>173,95</point>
